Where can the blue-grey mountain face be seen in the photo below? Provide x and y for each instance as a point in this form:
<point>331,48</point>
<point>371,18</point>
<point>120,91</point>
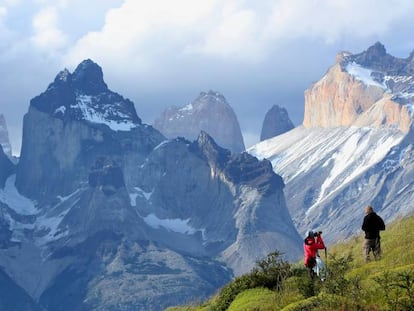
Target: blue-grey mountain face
<point>105,213</point>
<point>6,167</point>
<point>13,297</point>
<point>355,146</point>
<point>75,119</point>
<point>4,137</point>
<point>209,112</point>
<point>276,122</point>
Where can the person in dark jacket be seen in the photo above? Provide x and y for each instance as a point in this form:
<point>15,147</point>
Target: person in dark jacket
<point>372,225</point>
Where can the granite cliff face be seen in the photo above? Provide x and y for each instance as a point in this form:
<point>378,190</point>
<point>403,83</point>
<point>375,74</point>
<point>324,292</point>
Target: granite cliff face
<point>276,122</point>
<point>366,89</point>
<point>209,112</point>
<point>355,146</point>
<point>4,137</point>
<point>105,213</point>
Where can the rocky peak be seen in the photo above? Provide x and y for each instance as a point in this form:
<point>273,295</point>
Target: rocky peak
<point>377,59</point>
<point>67,127</point>
<point>371,88</point>
<point>64,76</point>
<point>276,122</point>
<point>207,147</point>
<point>376,51</point>
<point>83,95</point>
<point>241,168</point>
<point>247,170</point>
<point>211,97</point>
<point>209,112</point>
<point>88,78</point>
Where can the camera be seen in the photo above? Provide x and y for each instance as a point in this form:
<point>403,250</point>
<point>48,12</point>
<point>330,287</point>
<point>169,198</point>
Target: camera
<point>315,234</point>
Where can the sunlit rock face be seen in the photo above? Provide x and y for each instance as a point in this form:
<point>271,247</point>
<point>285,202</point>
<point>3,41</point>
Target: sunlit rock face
<point>355,147</point>
<point>372,88</point>
<point>209,112</point>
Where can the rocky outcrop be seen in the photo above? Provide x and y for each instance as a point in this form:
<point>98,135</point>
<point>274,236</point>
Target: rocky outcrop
<point>276,122</point>
<point>209,112</point>
<point>355,85</point>
<point>4,137</point>
<point>234,203</point>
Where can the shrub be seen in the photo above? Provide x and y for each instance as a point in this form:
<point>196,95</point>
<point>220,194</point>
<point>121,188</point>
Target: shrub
<point>398,289</point>
<point>268,273</point>
<point>271,272</point>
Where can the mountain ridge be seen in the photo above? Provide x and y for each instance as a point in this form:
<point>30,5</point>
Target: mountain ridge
<point>352,150</point>
<point>100,202</point>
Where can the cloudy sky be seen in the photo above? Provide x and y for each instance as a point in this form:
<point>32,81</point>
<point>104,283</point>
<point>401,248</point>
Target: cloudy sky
<point>160,53</point>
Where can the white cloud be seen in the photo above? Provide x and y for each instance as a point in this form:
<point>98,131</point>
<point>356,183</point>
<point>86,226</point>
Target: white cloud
<point>3,12</point>
<point>141,32</point>
<point>236,35</point>
<point>47,34</point>
<point>331,20</point>
<point>4,31</point>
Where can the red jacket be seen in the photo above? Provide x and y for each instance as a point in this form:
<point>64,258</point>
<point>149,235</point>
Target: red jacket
<point>310,248</point>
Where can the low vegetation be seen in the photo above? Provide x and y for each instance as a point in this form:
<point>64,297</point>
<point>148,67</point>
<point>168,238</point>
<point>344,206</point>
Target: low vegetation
<point>351,284</point>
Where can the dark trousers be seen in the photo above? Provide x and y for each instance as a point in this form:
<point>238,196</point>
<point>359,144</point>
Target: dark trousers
<point>373,245</point>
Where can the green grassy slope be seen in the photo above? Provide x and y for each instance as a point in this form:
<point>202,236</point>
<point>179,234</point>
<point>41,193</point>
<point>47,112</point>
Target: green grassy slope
<point>352,284</point>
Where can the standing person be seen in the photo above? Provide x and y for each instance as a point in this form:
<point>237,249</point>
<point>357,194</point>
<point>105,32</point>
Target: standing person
<point>312,243</point>
<point>372,225</point>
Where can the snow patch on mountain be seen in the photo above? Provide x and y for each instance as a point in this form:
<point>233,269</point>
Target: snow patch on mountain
<point>348,151</point>
<point>175,225</point>
<point>86,103</point>
<point>139,192</point>
<point>14,200</point>
<point>48,224</point>
<point>363,74</point>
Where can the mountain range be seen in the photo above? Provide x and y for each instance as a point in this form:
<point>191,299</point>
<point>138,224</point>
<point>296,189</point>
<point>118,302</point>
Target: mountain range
<point>354,148</point>
<point>103,212</point>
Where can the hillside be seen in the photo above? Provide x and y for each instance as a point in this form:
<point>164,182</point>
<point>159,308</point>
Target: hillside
<point>387,284</point>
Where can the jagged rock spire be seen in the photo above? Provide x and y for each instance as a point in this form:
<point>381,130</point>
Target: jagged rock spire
<point>276,122</point>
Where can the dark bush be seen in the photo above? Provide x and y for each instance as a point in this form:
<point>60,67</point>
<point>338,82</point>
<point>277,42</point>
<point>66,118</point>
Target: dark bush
<point>269,273</point>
